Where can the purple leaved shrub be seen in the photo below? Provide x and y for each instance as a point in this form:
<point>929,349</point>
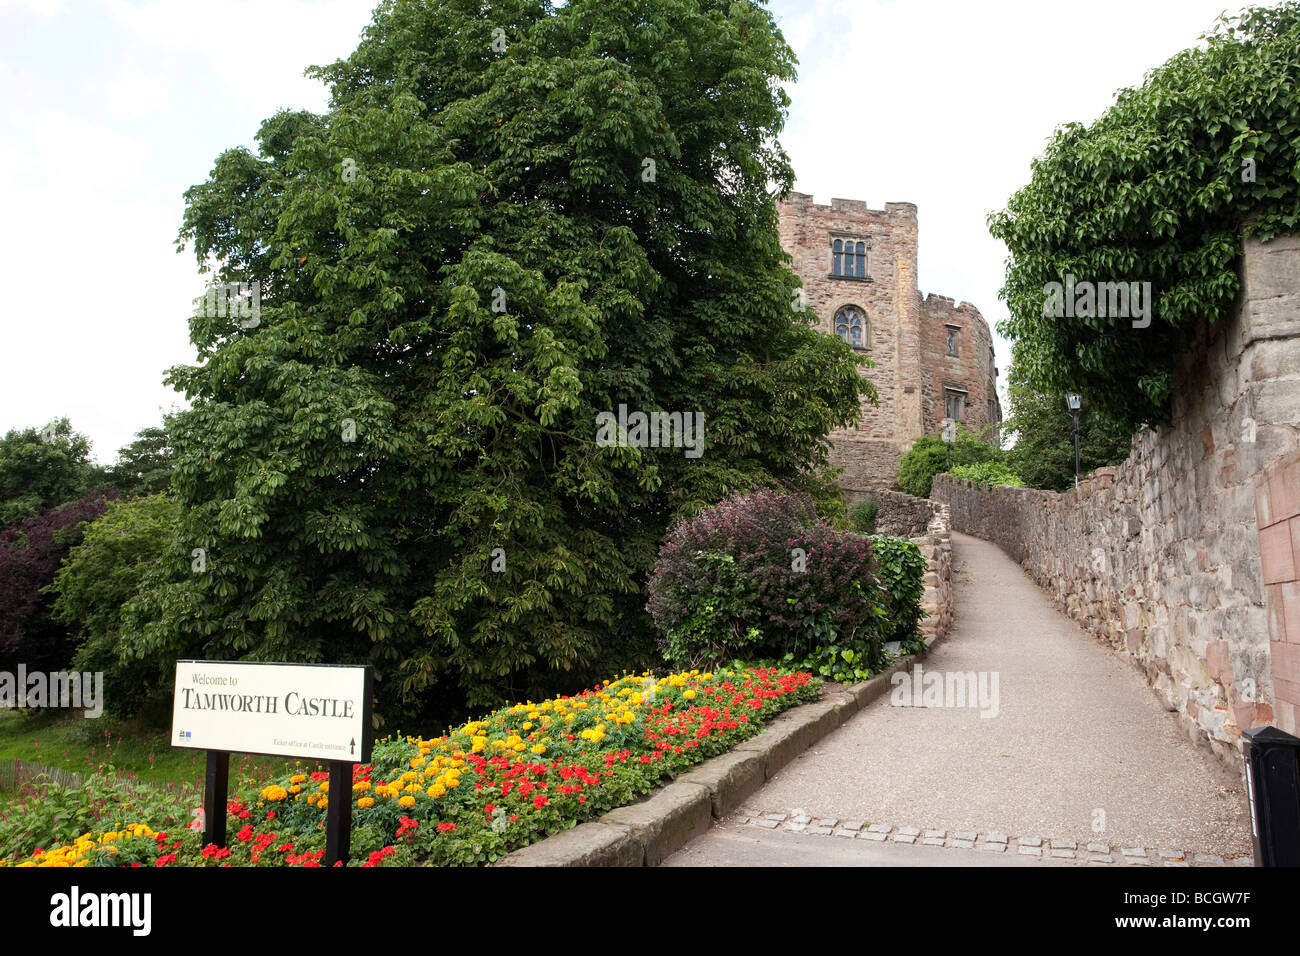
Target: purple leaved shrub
<point>759,576</point>
<point>31,551</point>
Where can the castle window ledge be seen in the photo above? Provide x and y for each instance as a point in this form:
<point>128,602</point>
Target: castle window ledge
<point>832,275</point>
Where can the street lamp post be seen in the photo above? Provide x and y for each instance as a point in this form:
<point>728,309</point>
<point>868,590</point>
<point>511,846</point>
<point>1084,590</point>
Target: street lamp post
<point>1073,401</point>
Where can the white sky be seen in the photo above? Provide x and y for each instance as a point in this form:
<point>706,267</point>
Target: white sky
<point>114,107</point>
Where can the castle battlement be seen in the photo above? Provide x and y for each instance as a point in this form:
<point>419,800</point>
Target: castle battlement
<point>931,356</point>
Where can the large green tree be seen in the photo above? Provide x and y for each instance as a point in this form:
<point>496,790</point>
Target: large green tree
<point>1159,190</point>
<point>44,468</point>
<point>144,467</point>
<point>510,220</point>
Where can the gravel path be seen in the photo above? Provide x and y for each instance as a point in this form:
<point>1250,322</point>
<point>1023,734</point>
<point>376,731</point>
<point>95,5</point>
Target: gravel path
<point>1080,747</point>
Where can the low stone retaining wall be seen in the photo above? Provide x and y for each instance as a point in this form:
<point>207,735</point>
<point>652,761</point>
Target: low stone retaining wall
<point>936,602</point>
<point>902,515</point>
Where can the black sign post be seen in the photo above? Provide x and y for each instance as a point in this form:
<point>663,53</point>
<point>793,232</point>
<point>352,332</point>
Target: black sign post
<point>338,814</point>
<point>216,784</point>
<point>216,777</point>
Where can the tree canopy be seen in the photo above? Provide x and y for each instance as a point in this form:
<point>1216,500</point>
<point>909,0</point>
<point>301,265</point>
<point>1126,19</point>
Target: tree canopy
<point>144,467</point>
<point>1159,190</point>
<point>506,224</point>
<point>43,468</point>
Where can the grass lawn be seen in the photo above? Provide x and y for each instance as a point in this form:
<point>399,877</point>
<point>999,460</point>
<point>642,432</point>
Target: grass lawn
<point>72,742</point>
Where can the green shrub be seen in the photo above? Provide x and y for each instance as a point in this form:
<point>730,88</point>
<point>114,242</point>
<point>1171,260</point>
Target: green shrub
<point>863,516</point>
<point>900,569</point>
<point>917,468</point>
<point>759,576</point>
<point>928,457</point>
<point>98,578</point>
<point>988,473</point>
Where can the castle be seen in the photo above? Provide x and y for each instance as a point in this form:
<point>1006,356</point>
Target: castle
<point>933,359</point>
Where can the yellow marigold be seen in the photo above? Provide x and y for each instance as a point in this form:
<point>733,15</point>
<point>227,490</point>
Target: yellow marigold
<point>417,763</point>
<point>538,749</point>
<point>366,802</point>
<point>406,802</point>
<point>361,786</point>
<point>528,725</point>
<point>437,790</point>
<point>689,695</point>
<point>274,793</point>
<point>324,786</point>
<point>296,789</point>
<point>323,803</point>
<point>479,745</point>
<point>298,778</point>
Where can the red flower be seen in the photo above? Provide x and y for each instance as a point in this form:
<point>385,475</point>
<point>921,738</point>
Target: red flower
<point>447,827</point>
<point>540,802</point>
<point>164,860</point>
<point>245,833</point>
<point>489,808</point>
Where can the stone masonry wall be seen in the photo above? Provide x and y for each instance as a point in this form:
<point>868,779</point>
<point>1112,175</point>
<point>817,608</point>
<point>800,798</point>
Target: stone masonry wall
<point>903,515</point>
<point>936,602</point>
<point>1277,510</point>
<point>971,370</point>
<point>1160,556</point>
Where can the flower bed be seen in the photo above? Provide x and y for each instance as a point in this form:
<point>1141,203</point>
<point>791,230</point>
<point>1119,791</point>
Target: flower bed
<point>479,791</point>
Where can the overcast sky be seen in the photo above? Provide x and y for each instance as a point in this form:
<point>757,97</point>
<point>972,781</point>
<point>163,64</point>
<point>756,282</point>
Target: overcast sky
<point>113,108</point>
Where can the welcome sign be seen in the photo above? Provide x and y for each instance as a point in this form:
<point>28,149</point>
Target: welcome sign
<point>317,711</point>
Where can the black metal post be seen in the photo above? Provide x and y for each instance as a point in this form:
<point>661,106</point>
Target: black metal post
<point>338,814</point>
<point>216,787</point>
<point>1273,787</point>
<point>1076,449</point>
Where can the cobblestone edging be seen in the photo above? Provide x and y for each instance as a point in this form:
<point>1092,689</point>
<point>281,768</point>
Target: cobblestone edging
<point>800,821</point>
<point>645,833</point>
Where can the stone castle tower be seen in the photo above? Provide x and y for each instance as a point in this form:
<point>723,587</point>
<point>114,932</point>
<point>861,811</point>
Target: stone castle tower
<point>933,359</point>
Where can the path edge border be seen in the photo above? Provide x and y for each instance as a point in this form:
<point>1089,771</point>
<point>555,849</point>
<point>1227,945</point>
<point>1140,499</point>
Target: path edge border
<point>648,832</point>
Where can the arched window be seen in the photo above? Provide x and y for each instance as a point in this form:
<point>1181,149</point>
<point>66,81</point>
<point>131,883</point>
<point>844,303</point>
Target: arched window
<point>851,325</point>
<point>837,247</point>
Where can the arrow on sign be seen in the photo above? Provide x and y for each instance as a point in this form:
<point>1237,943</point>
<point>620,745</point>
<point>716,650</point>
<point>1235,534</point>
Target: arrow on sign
<point>354,746</point>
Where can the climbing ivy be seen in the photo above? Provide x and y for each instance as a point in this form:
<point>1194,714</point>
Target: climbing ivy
<point>1159,189</point>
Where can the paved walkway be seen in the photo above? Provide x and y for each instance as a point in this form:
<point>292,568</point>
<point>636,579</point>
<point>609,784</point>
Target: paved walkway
<point>1080,750</point>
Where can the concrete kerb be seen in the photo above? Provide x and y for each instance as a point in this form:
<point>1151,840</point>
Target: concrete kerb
<point>645,833</point>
